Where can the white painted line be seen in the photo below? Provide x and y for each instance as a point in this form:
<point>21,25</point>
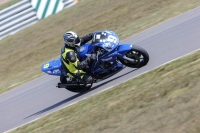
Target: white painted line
<point>107,88</point>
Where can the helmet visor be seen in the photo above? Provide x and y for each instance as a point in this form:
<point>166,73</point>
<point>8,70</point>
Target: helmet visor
<point>72,41</point>
<point>77,40</point>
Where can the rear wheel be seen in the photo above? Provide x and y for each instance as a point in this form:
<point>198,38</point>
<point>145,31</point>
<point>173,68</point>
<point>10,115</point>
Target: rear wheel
<point>79,89</point>
<point>137,57</point>
<point>75,89</point>
<point>63,79</point>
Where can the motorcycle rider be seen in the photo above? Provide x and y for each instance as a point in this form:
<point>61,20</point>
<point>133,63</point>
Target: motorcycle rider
<point>69,59</point>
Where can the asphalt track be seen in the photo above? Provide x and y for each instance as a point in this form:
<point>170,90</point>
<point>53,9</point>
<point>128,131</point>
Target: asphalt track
<point>164,42</point>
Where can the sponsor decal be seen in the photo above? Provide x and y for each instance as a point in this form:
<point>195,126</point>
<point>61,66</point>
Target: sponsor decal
<point>48,71</point>
<point>112,38</point>
<point>56,71</point>
<point>107,45</point>
<point>46,65</point>
<point>82,49</point>
<point>103,33</point>
<point>110,32</point>
<point>98,36</point>
<point>55,66</point>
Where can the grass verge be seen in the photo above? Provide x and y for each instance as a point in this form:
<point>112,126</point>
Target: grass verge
<point>165,100</point>
<point>22,54</point>
<point>8,3</point>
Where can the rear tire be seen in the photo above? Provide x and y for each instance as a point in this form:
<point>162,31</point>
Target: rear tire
<point>79,89</point>
<point>63,79</point>
<point>139,56</point>
<point>74,89</point>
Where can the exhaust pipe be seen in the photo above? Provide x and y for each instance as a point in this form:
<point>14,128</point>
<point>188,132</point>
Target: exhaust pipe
<point>64,85</point>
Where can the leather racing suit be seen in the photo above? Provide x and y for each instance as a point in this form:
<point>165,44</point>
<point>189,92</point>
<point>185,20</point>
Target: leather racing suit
<point>71,64</point>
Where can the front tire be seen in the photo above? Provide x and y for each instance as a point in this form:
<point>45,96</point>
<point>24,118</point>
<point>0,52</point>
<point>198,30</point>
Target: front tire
<point>137,57</point>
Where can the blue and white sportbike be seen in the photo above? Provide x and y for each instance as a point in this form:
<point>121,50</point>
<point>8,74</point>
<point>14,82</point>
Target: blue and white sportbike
<point>112,57</point>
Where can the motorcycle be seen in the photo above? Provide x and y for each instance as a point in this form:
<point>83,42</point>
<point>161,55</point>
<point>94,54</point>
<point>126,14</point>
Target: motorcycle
<point>112,57</point>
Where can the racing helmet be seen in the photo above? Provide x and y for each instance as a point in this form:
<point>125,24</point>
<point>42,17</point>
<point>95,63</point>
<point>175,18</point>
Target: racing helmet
<point>71,39</point>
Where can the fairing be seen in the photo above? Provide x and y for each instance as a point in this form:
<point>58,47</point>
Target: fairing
<point>123,49</point>
<point>53,67</point>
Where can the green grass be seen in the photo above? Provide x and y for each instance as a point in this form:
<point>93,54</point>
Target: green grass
<point>165,100</point>
<point>8,3</point>
<point>22,54</point>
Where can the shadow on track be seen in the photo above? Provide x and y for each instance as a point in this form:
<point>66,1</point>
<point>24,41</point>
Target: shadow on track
<point>77,95</point>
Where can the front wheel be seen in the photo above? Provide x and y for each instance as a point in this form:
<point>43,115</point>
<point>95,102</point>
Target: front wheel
<point>137,57</point>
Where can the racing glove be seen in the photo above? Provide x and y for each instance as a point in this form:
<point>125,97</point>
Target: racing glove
<point>93,57</point>
<point>85,62</point>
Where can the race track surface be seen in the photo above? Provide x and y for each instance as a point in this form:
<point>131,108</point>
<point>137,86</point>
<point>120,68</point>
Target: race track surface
<point>164,42</point>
